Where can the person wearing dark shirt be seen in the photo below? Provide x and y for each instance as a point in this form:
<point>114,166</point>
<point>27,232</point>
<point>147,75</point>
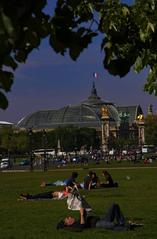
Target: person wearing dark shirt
<point>87,180</point>
<point>113,220</point>
<point>91,181</point>
<point>71,182</point>
<point>94,183</point>
<point>108,180</point>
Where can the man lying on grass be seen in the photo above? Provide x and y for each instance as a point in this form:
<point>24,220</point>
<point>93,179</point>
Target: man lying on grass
<point>113,220</point>
<point>70,182</point>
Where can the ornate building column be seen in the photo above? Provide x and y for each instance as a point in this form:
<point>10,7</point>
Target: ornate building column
<point>58,147</point>
<point>105,128</point>
<point>141,129</point>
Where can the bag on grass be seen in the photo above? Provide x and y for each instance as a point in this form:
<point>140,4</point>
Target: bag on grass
<point>75,201</point>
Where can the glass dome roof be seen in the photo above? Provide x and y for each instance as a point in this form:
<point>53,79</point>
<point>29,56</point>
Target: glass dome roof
<point>85,114</point>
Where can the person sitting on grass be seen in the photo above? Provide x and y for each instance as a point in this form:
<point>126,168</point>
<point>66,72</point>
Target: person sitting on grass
<point>45,195</point>
<point>108,180</point>
<point>113,220</point>
<point>94,182</point>
<point>87,180</point>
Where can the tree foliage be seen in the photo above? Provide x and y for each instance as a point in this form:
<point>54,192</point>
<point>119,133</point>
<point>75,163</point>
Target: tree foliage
<point>151,129</point>
<point>71,138</point>
<point>129,35</point>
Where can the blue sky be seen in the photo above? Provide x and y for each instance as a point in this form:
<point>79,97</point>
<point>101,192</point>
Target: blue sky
<point>49,81</point>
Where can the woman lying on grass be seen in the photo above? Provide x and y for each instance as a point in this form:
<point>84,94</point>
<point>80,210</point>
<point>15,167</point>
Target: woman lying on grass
<point>45,195</point>
<point>113,220</point>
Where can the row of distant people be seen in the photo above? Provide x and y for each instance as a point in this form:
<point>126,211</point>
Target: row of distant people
<point>91,180</point>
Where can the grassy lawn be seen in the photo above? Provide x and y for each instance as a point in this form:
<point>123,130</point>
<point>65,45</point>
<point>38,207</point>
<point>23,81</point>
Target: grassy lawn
<point>37,219</point>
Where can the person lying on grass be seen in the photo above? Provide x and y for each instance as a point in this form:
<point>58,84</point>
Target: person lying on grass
<point>45,195</point>
<point>70,182</point>
<point>113,220</point>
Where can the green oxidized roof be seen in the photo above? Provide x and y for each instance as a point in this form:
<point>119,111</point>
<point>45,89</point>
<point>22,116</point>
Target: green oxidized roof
<point>85,114</point>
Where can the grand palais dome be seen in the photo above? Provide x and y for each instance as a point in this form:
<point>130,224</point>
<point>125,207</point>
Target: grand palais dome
<point>84,114</point>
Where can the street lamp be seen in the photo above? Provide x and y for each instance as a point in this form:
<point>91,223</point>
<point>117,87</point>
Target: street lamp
<point>9,147</point>
<point>44,146</point>
<point>58,147</point>
<point>105,128</point>
<point>30,133</point>
<point>141,126</point>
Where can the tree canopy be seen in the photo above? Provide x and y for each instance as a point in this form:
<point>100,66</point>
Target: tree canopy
<point>151,129</point>
<point>129,35</point>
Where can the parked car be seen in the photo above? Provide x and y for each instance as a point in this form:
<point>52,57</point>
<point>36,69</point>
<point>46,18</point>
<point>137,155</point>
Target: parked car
<point>4,163</point>
<point>24,162</point>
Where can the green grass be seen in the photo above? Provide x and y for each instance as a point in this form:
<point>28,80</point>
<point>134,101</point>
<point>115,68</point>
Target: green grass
<point>37,219</point>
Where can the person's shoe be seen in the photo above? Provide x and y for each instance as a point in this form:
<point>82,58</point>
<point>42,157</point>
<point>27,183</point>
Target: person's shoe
<point>133,225</point>
<point>43,184</point>
<point>23,196</point>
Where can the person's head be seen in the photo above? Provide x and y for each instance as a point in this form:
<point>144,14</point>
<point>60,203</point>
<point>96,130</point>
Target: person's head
<point>90,173</point>
<point>104,172</point>
<point>55,194</point>
<point>94,175</point>
<point>74,175</point>
<point>66,222</point>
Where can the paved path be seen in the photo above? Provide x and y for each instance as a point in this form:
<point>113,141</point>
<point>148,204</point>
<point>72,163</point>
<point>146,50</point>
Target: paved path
<point>79,169</point>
